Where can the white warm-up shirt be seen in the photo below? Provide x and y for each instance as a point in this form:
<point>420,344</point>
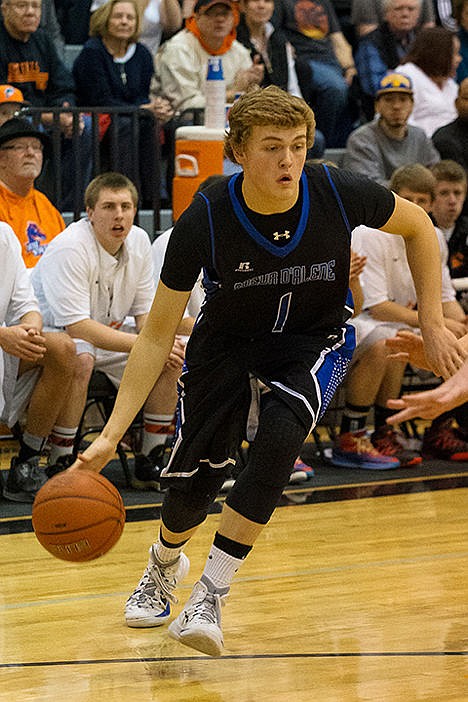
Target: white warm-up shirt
<point>16,299</point>
<point>387,275</point>
<point>77,279</point>
<point>158,250</point>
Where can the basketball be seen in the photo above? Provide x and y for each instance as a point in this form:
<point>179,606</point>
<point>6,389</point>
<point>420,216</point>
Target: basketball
<point>78,515</point>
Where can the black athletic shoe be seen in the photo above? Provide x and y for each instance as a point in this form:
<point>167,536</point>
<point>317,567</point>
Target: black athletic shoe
<point>63,462</point>
<point>24,480</point>
<point>148,468</point>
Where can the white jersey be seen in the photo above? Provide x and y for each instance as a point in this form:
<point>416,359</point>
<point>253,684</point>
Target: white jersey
<point>78,279</point>
<point>387,276</point>
<point>158,250</point>
<point>16,299</point>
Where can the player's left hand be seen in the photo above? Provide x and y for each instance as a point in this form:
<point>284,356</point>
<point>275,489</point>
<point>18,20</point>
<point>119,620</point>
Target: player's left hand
<point>96,456</point>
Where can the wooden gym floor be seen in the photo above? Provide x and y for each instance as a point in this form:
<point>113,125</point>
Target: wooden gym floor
<point>341,600</point>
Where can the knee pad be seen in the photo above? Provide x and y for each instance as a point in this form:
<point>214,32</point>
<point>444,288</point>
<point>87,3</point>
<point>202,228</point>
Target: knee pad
<point>183,510</point>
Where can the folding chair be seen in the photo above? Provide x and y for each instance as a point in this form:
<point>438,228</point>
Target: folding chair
<point>101,397</point>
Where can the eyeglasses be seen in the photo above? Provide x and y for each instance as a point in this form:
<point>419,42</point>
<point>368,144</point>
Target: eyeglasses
<point>23,6</point>
<point>22,148</point>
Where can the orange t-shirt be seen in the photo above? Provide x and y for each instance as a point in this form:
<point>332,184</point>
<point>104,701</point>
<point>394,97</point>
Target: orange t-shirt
<point>33,218</point>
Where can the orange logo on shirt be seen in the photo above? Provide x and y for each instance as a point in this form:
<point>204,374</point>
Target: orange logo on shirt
<point>28,72</point>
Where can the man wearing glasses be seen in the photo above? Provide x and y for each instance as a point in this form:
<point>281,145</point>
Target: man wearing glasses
<point>31,215</point>
<point>29,61</point>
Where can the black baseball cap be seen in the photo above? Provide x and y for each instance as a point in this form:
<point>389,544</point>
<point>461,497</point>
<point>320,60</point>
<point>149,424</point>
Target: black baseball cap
<point>18,127</point>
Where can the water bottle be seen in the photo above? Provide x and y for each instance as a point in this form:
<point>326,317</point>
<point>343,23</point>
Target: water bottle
<point>215,94</point>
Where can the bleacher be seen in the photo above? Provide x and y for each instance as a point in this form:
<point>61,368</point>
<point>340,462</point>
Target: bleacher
<point>51,177</point>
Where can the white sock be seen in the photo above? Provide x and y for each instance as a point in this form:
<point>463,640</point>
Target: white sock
<point>166,554</point>
<point>61,441</point>
<point>220,568</point>
<point>157,428</point>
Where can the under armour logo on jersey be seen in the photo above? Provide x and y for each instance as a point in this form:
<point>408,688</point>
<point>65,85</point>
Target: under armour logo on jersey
<point>284,235</point>
<point>244,267</point>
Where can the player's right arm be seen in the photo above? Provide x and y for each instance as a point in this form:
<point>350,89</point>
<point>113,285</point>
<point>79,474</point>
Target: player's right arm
<point>145,364</point>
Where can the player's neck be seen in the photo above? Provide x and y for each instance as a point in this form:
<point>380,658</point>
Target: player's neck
<point>260,202</point>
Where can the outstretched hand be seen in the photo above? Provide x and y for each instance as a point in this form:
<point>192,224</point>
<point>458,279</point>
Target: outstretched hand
<point>407,346</point>
<point>96,456</point>
<point>427,405</point>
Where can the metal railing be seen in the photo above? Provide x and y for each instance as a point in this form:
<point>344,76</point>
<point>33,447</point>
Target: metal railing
<point>130,144</point>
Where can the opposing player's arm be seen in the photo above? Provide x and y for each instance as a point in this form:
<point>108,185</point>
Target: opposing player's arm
<point>145,364</point>
<point>410,221</point>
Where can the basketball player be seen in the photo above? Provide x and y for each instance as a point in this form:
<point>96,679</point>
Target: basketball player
<point>274,245</point>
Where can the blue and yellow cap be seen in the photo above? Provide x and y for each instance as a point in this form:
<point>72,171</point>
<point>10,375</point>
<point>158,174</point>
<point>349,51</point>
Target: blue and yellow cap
<point>394,83</point>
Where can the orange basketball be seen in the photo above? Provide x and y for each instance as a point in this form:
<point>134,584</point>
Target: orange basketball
<point>78,515</point>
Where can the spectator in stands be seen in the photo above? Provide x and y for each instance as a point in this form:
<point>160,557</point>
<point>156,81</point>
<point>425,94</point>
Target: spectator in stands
<point>270,47</point>
<point>367,15</point>
<point>384,48</point>
<point>73,17</point>
<point>11,102</point>
<point>378,148</point>
<point>98,272</point>
<point>181,63</point>
<point>274,51</point>
<point>450,195</point>
<point>29,61</point>
<point>158,19</point>
<point>431,403</point>
<point>431,64</point>
<point>451,141</point>
<point>389,305</point>
<point>35,371</point>
<point>313,29</point>
<point>114,70</point>
<point>460,11</point>
<point>32,216</point>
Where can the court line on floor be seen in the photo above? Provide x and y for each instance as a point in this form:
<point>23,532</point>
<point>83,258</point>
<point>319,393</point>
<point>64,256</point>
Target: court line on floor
<point>236,657</point>
<point>255,578</point>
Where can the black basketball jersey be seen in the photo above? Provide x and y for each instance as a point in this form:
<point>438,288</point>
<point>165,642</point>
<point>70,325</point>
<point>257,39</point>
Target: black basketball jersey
<point>255,287</point>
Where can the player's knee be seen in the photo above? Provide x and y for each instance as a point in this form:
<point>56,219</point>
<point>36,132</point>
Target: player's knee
<point>60,353</point>
<point>83,369</point>
<point>184,510</point>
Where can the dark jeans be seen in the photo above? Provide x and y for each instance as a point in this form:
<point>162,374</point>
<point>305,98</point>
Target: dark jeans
<point>331,103</point>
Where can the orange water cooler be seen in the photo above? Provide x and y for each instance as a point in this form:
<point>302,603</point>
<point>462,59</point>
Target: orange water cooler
<point>198,154</point>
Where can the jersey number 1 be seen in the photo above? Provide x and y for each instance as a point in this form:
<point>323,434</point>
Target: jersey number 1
<point>283,311</point>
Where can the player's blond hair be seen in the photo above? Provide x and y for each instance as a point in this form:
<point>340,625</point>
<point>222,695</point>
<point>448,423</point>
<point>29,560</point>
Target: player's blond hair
<point>263,107</point>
